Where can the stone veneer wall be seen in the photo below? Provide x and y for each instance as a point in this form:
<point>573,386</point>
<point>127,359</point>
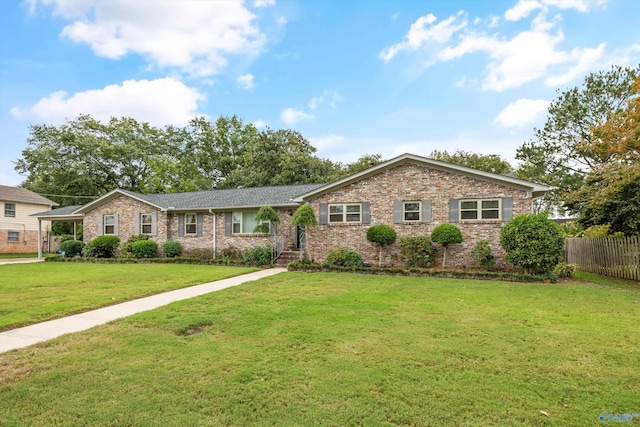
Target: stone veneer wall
<point>410,182</point>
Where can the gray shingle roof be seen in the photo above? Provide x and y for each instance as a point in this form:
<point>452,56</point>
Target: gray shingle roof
<point>230,198</point>
<point>22,195</point>
<point>67,210</point>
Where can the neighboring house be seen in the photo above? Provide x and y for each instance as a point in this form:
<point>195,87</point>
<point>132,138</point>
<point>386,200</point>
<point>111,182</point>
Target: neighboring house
<point>18,230</point>
<point>412,194</point>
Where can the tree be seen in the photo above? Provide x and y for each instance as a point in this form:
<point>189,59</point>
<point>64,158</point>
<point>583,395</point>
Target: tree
<point>484,162</point>
<point>564,151</point>
<point>265,213</point>
<point>446,234</point>
<point>305,217</point>
<point>533,242</point>
<point>382,235</point>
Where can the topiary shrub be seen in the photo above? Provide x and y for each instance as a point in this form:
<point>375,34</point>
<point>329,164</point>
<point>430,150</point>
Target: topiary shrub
<point>533,242</point>
<point>446,234</point>
<point>260,255</point>
<point>101,247</point>
<point>344,258</point>
<point>417,251</point>
<point>171,249</point>
<point>481,252</point>
<point>383,235</point>
<point>72,248</point>
<point>131,240</point>
<point>144,249</point>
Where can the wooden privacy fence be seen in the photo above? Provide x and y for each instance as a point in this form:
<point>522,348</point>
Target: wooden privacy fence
<point>609,256</point>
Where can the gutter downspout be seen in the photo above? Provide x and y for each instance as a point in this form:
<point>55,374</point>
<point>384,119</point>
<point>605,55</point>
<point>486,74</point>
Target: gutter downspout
<point>39,238</point>
<point>213,232</point>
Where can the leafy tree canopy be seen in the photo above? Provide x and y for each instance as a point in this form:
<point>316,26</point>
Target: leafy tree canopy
<point>484,162</point>
<point>571,144</point>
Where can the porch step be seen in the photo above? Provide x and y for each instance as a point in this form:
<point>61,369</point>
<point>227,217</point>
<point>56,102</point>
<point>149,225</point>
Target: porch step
<point>288,256</point>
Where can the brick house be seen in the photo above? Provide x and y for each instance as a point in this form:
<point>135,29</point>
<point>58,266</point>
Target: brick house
<point>18,230</point>
<point>410,193</point>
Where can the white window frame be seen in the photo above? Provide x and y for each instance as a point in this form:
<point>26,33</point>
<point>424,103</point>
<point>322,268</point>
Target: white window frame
<point>237,221</point>
<point>405,211</point>
<point>480,209</point>
<point>190,224</point>
<point>112,225</point>
<point>10,212</point>
<point>144,224</point>
<point>333,216</point>
<point>16,237</point>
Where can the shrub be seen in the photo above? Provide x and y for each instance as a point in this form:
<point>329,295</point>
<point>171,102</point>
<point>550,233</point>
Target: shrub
<point>260,255</point>
<point>564,270</point>
<point>144,249</point>
<point>171,249</point>
<point>101,247</point>
<point>482,254</point>
<point>418,251</point>
<point>72,248</point>
<point>445,234</point>
<point>533,242</point>
<point>343,258</point>
<point>230,253</point>
<point>200,253</point>
<point>127,247</point>
<point>382,235</point>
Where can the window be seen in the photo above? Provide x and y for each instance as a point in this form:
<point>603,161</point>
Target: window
<point>245,222</point>
<point>109,224</point>
<point>411,211</point>
<point>10,210</point>
<point>145,223</point>
<point>480,209</point>
<point>345,213</point>
<point>190,223</point>
<point>13,236</point>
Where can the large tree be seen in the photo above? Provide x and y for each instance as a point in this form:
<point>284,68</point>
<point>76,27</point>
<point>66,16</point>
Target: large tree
<point>565,150</point>
<point>484,162</point>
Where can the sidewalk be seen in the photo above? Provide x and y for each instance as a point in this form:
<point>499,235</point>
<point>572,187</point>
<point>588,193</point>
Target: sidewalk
<point>19,260</point>
<point>29,335</point>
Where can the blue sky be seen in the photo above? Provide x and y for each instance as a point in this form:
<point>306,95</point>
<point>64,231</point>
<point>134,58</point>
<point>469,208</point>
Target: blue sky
<point>354,77</point>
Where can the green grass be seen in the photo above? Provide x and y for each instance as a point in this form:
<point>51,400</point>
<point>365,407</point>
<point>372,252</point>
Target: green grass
<point>14,256</point>
<point>35,292</point>
<point>344,349</point>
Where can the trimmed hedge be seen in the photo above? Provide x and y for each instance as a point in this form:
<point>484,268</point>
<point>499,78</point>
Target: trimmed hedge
<point>172,249</point>
<point>144,249</point>
<point>72,248</point>
<point>101,247</point>
<point>343,258</point>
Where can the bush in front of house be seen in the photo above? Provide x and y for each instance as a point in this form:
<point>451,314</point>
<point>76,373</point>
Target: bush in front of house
<point>128,245</point>
<point>481,252</point>
<point>446,234</point>
<point>417,251</point>
<point>533,242</point>
<point>260,255</point>
<point>382,235</point>
<point>344,258</point>
<point>144,249</point>
<point>72,248</point>
<point>171,249</point>
<point>101,247</point>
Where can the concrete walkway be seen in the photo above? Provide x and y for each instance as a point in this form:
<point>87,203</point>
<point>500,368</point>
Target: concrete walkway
<point>29,335</point>
<point>19,260</point>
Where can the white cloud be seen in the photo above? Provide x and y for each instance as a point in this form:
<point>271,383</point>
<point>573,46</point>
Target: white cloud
<point>263,3</point>
<point>586,60</point>
<point>259,124</point>
<point>326,141</point>
<point>330,97</point>
<point>292,116</point>
<point>423,31</point>
<point>195,37</point>
<point>246,81</point>
<point>281,21</point>
<point>521,113</point>
<point>159,102</point>
<point>523,8</point>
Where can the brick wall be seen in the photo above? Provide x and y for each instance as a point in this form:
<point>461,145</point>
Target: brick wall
<point>412,182</point>
<point>27,242</point>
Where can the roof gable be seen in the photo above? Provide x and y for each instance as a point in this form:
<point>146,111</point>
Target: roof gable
<point>22,195</point>
<point>533,189</point>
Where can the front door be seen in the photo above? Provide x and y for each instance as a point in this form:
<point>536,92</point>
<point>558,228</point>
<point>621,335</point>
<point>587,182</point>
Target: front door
<point>301,238</point>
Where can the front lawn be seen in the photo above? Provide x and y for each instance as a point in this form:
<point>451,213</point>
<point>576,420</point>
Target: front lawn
<point>344,349</point>
<point>36,292</point>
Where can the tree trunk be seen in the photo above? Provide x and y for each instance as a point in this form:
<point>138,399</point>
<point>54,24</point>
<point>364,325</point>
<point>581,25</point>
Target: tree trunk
<point>444,256</point>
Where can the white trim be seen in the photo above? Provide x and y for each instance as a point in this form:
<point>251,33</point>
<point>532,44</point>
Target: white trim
<point>404,211</point>
<point>345,212</point>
